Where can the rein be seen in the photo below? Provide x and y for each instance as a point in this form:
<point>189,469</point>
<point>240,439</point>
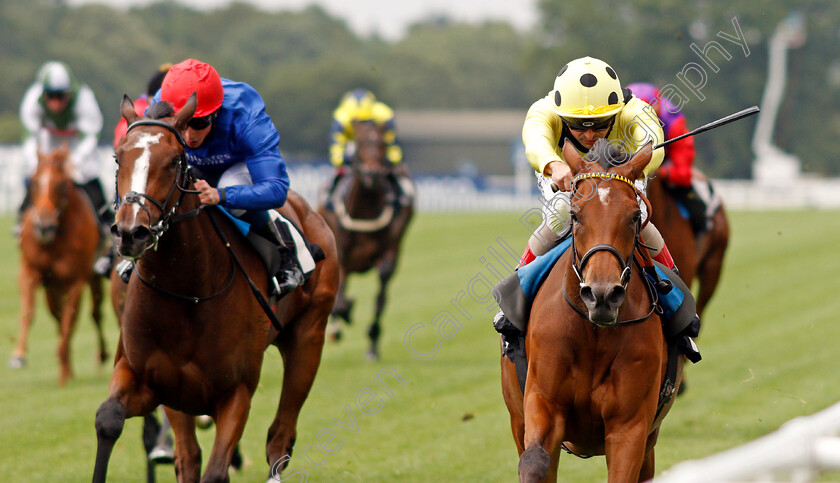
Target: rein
<point>182,180</point>
<point>579,263</point>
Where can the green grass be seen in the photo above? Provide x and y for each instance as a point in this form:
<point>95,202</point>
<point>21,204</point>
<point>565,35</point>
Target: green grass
<point>767,343</point>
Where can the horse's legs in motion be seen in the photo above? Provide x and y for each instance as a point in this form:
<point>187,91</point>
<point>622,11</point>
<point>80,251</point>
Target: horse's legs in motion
<point>29,281</point>
<point>513,400</point>
<point>127,399</point>
<point>386,270</point>
<point>300,345</point>
<point>65,311</point>
<point>543,435</point>
<point>187,451</point>
<point>230,423</point>
<point>625,450</point>
<point>151,428</point>
<point>95,283</point>
<point>342,306</point>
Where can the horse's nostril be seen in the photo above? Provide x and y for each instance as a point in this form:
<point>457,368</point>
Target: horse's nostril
<point>142,234</point>
<point>587,295</point>
<point>615,296</point>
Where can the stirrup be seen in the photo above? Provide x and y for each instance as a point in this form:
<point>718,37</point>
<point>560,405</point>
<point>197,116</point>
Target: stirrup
<point>663,285</point>
<point>287,280</point>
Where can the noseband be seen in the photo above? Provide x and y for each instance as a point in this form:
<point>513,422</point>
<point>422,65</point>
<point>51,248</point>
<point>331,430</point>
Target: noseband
<point>579,263</point>
<point>182,178</point>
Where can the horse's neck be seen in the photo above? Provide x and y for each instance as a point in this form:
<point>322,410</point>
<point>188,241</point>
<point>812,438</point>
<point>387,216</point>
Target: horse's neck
<point>188,250</point>
<point>364,201</point>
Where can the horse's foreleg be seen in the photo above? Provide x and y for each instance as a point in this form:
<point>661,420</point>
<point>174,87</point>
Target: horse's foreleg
<point>301,350</point>
<point>95,283</point>
<point>342,306</point>
<point>543,435</point>
<point>127,399</point>
<point>625,450</point>
<point>513,400</point>
<point>386,269</point>
<point>187,451</point>
<point>67,324</point>
<point>28,280</point>
<point>230,423</point>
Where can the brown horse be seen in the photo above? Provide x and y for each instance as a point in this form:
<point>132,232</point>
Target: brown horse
<point>58,241</point>
<point>369,222</point>
<point>596,351</point>
<point>193,331</point>
<point>698,257</point>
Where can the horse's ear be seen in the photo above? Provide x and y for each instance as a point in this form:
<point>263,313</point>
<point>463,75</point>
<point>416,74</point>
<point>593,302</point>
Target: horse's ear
<point>186,113</point>
<point>127,110</point>
<point>572,157</point>
<point>633,168</point>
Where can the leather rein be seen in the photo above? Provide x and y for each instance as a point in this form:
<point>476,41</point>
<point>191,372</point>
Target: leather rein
<point>182,180</point>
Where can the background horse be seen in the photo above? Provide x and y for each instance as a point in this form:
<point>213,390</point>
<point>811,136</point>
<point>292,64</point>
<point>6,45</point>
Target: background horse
<point>699,256</point>
<point>59,239</point>
<point>369,221</point>
<point>596,351</point>
<point>193,332</point>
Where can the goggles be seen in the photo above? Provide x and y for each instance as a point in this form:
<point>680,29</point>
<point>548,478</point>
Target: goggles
<point>596,124</point>
<point>200,123</point>
<point>56,95</point>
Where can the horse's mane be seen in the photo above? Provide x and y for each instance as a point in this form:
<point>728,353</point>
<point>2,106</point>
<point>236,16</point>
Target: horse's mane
<point>607,155</point>
<point>161,109</point>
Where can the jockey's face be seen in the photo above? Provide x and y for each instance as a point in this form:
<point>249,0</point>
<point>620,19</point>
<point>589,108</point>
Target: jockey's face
<point>195,137</point>
<point>57,102</point>
<point>588,137</point>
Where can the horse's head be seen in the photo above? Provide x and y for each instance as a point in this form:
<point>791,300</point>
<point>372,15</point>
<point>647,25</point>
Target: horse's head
<point>49,189</point>
<point>606,221</point>
<point>152,175</point>
<point>370,163</point>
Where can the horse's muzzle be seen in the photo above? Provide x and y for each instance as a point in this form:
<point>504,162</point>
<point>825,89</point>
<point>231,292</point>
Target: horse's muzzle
<point>132,242</point>
<point>603,302</point>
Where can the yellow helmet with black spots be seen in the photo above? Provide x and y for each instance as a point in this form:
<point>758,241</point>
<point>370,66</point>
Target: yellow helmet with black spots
<point>587,88</point>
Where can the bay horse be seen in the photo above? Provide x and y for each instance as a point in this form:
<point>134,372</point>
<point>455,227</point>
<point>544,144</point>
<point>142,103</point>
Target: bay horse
<point>59,240</point>
<point>595,347</point>
<point>369,222</point>
<point>194,330</point>
<point>698,257</point>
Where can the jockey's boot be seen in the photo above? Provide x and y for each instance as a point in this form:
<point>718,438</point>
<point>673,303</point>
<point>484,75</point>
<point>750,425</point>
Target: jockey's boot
<point>500,321</point>
<point>124,269</point>
<point>694,204</point>
<point>24,204</point>
<point>289,276</point>
<point>663,285</point>
<point>105,263</point>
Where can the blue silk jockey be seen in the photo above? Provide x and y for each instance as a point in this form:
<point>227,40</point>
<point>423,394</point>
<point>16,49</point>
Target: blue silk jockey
<point>233,146</point>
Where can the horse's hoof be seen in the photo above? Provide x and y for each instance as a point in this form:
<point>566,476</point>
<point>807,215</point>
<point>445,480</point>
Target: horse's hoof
<point>334,332</point>
<point>17,362</point>
<point>372,355</point>
<point>203,422</point>
<point>162,454</point>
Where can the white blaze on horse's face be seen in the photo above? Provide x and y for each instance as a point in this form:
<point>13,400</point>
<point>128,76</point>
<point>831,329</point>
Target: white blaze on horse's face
<point>604,194</point>
<point>140,175</point>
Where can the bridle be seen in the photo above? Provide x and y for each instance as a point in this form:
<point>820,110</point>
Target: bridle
<point>181,183</point>
<point>578,263</point>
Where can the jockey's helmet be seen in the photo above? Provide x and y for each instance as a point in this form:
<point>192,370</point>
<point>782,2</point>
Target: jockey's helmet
<point>362,101</point>
<point>587,93</point>
<point>191,76</point>
<point>55,77</point>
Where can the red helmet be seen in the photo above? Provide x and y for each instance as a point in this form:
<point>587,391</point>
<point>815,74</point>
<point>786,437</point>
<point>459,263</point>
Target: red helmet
<point>191,76</point>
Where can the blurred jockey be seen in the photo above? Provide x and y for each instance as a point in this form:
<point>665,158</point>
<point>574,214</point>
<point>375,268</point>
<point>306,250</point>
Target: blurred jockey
<point>360,105</point>
<point>679,155</point>
<point>142,102</point>
<point>57,109</point>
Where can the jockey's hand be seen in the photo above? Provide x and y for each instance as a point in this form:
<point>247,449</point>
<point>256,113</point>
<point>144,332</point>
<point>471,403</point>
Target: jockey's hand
<point>209,195</point>
<point>560,174</point>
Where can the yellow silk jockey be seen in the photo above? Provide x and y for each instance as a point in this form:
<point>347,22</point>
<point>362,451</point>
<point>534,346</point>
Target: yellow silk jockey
<point>360,105</point>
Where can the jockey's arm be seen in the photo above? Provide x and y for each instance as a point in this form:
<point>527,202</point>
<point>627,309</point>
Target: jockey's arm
<point>681,153</point>
<point>637,125</point>
<point>393,151</point>
<point>31,114</point>
<point>89,124</point>
<point>541,136</point>
<point>338,142</point>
